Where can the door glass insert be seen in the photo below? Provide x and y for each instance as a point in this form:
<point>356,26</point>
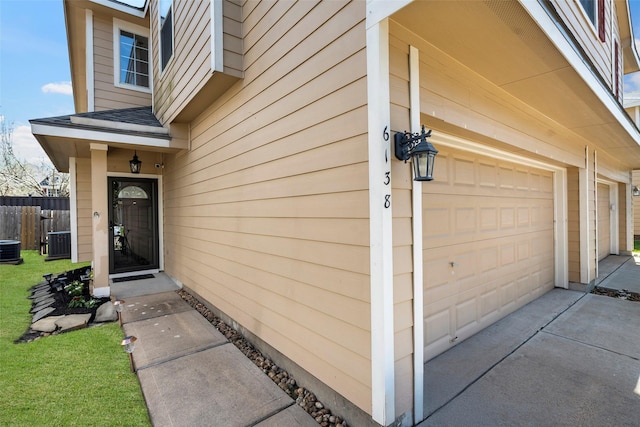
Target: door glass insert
<point>133,225</point>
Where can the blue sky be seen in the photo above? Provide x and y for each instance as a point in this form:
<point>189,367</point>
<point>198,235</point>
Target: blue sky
<point>34,68</point>
<point>35,79</point>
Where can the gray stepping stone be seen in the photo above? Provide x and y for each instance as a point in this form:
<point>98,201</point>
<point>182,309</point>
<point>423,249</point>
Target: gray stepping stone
<point>42,305</point>
<point>39,294</point>
<point>42,313</point>
<point>41,287</point>
<point>48,324</point>
<point>42,298</point>
<point>73,322</point>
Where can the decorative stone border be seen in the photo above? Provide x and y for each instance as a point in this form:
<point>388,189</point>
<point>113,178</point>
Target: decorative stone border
<point>303,397</point>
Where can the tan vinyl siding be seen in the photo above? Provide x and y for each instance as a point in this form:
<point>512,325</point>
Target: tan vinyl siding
<point>573,223</point>
<point>189,69</point>
<point>587,35</point>
<point>107,95</point>
<point>636,204</point>
<point>85,217</point>
<point>267,215</point>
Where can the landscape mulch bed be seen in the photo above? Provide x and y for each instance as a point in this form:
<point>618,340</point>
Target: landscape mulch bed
<point>626,295</point>
<point>62,300</point>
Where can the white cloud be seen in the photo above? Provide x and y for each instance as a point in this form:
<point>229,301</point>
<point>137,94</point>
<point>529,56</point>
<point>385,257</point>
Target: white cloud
<point>26,147</point>
<point>63,88</point>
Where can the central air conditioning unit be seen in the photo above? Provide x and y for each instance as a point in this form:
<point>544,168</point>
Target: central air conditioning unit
<point>59,245</point>
<point>10,252</point>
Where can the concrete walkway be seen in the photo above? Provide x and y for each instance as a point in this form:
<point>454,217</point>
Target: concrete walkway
<point>190,374</point>
<point>621,273</point>
<point>565,359</point>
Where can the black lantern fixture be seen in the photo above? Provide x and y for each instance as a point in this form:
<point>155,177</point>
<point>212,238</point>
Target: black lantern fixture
<point>415,146</point>
<point>635,191</point>
<point>135,164</point>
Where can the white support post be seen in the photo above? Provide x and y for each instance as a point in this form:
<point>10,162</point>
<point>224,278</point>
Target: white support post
<point>585,255</point>
<point>380,220</point>
<point>73,208</point>
<point>416,194</point>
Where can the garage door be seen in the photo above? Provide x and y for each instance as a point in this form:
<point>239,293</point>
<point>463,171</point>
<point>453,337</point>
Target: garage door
<point>488,244</point>
<point>604,222</point>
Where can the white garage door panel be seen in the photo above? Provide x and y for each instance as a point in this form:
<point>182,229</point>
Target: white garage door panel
<point>488,244</point>
<point>604,222</point>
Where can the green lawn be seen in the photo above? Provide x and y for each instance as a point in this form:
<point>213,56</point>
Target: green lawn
<point>78,378</point>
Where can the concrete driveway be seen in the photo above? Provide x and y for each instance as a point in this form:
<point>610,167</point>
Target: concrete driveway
<point>566,359</point>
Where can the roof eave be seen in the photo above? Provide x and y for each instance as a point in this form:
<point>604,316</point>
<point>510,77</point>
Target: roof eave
<point>627,40</point>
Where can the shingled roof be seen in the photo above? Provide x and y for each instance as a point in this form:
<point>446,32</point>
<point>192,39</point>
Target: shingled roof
<point>141,121</point>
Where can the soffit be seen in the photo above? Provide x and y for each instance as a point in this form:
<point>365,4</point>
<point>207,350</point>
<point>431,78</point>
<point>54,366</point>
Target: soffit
<point>503,44</point>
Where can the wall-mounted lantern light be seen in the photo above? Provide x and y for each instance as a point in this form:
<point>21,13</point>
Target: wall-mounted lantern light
<point>135,164</point>
<point>636,191</point>
<point>422,153</point>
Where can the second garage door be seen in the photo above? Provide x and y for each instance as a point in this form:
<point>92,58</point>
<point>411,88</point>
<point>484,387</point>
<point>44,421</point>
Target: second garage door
<point>604,222</point>
<point>488,244</point>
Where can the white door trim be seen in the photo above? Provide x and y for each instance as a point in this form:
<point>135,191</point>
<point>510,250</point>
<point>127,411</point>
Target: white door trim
<point>614,223</point>
<point>160,212</point>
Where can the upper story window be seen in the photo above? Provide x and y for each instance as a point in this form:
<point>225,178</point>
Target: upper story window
<point>131,56</point>
<point>594,9</point>
<point>589,7</point>
<point>165,16</point>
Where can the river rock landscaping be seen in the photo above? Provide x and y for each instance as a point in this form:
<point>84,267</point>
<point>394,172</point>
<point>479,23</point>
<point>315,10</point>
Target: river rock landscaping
<point>63,303</point>
<point>623,294</point>
<point>303,397</point>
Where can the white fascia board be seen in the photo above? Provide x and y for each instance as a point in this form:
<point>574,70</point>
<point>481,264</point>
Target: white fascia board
<point>378,10</point>
<point>120,7</point>
<point>217,53</point>
<point>118,125</point>
<point>105,137</point>
<point>548,26</point>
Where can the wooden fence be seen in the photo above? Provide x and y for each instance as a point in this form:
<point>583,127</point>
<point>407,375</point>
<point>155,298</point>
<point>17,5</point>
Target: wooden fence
<point>30,224</point>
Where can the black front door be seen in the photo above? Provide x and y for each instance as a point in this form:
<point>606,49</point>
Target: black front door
<point>133,224</point>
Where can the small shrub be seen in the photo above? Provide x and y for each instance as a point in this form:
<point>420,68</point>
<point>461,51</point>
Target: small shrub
<point>75,288</point>
<point>77,302</point>
<point>92,303</point>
